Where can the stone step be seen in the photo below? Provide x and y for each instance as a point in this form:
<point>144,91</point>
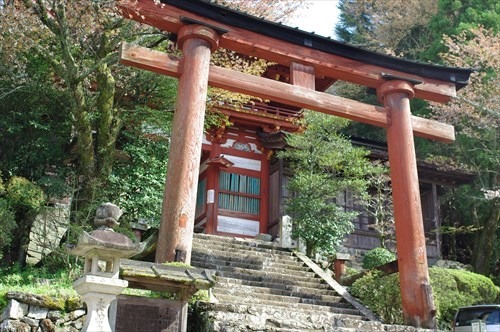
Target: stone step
<point>223,253</point>
<point>291,265</point>
<point>306,293</point>
<point>269,272</point>
<point>328,307</point>
<point>268,277</point>
<point>208,254</point>
<point>247,296</point>
<point>271,283</point>
<point>263,317</point>
<point>212,262</point>
<point>238,242</point>
<point>280,288</point>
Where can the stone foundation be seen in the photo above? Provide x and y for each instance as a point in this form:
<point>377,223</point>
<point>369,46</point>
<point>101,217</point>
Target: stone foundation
<point>32,313</point>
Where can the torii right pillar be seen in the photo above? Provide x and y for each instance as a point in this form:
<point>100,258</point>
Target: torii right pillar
<point>416,292</point>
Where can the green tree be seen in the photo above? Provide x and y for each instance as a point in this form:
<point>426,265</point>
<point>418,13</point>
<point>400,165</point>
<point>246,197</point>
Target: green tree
<point>394,27</point>
<point>324,164</point>
<point>35,130</point>
<point>65,98</point>
<point>77,44</point>
<point>379,203</point>
<point>455,16</point>
<point>476,117</point>
<point>138,179</point>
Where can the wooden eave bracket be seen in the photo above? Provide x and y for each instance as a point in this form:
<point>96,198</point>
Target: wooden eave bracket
<point>220,162</point>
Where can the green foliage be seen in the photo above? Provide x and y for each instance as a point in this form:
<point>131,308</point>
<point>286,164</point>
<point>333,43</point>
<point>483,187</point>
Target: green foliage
<point>377,257</point>
<point>451,289</point>
<point>318,222</point>
<point>23,193</point>
<point>457,288</point>
<point>215,119</point>
<point>325,165</point>
<point>137,181</point>
<point>54,186</point>
<point>34,118</point>
<point>7,224</point>
<point>455,16</point>
<point>379,203</point>
<point>56,286</point>
<point>474,113</point>
<point>381,295</point>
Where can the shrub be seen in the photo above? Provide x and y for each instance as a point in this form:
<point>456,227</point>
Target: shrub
<point>457,288</point>
<point>377,257</point>
<point>451,289</point>
<point>24,193</point>
<point>381,295</point>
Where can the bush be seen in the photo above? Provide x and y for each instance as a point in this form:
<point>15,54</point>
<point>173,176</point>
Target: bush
<point>381,295</point>
<point>457,288</point>
<point>24,193</point>
<point>377,257</point>
<point>451,289</point>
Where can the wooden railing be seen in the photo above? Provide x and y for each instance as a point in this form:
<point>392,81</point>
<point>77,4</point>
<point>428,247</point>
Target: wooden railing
<point>272,110</point>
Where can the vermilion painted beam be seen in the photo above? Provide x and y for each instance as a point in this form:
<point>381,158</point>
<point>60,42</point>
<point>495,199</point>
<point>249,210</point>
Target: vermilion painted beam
<point>167,18</point>
<point>228,79</point>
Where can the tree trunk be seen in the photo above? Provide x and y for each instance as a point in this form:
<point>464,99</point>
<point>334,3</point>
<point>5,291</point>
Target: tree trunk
<point>85,149</point>
<point>108,123</point>
<point>484,245</point>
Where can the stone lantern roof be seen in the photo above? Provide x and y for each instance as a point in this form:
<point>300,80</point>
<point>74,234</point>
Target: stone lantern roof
<point>104,239</point>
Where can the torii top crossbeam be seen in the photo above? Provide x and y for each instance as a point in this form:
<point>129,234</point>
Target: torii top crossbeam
<point>202,27</point>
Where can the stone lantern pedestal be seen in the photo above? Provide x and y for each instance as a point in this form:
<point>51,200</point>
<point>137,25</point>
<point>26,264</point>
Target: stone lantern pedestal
<point>100,284</point>
<point>98,293</point>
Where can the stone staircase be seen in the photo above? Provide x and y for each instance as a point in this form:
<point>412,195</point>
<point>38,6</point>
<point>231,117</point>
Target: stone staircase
<point>261,287</point>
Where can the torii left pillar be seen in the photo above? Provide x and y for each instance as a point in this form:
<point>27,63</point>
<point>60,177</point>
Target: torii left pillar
<point>416,292</point>
<point>177,223</point>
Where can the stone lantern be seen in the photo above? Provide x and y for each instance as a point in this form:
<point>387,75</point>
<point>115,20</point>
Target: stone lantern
<point>102,248</point>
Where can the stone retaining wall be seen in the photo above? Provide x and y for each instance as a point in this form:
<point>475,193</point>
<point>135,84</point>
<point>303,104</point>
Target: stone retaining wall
<point>34,313</point>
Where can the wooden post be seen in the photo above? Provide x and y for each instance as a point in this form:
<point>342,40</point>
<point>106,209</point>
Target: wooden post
<point>176,229</point>
<point>416,294</point>
<point>436,216</point>
<point>302,75</point>
<point>212,185</point>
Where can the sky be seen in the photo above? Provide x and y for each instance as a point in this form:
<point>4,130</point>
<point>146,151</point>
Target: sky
<point>320,17</point>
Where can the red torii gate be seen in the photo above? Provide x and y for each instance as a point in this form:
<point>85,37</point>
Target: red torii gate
<point>202,27</point>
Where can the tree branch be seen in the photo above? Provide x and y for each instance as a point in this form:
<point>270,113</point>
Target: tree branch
<point>110,58</point>
<point>477,106</point>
